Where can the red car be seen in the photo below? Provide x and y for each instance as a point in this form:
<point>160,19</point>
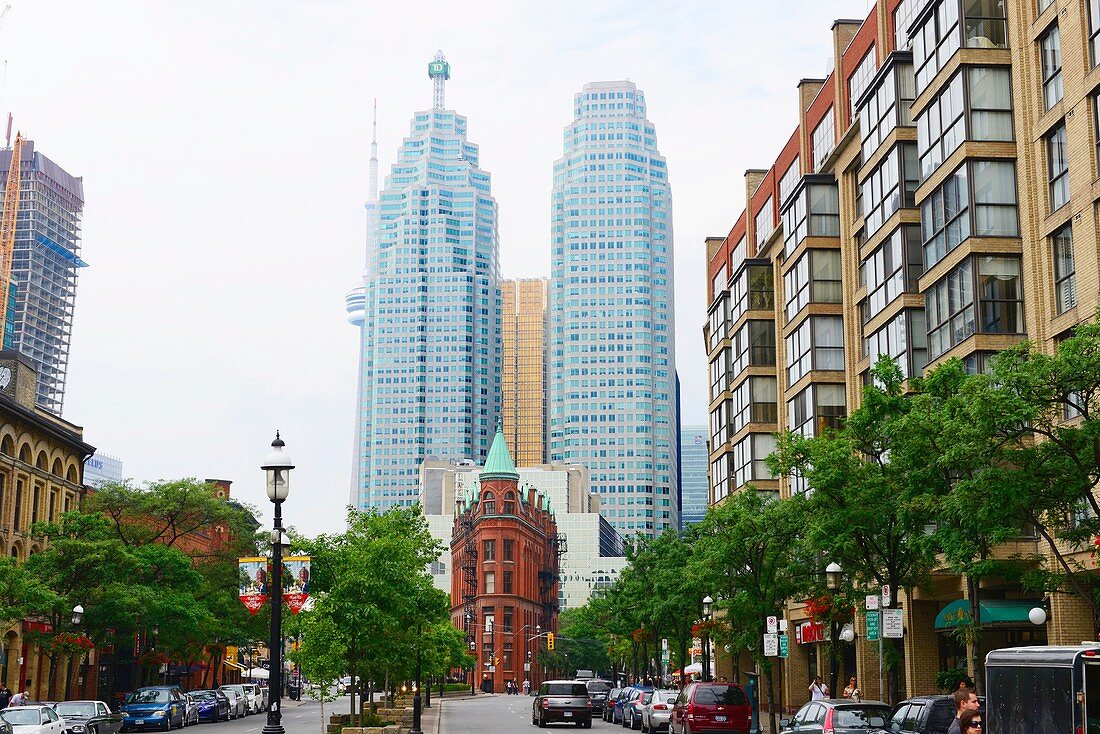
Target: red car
<point>711,707</point>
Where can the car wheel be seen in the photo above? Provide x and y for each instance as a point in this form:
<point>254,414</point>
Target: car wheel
<point>542,721</point>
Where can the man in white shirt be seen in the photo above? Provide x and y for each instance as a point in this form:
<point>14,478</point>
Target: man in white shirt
<point>20,699</point>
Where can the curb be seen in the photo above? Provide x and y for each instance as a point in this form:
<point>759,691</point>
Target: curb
<point>439,716</point>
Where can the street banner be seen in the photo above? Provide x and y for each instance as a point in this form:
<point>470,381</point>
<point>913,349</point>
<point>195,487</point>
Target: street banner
<point>252,582</point>
<point>892,624</point>
<point>872,626</point>
<point>296,582</point>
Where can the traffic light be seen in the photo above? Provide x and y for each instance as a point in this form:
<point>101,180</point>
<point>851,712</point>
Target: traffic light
<point>549,640</point>
<point>496,660</point>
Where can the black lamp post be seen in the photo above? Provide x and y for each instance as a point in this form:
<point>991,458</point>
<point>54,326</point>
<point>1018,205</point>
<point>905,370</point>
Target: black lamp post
<point>416,693</point>
<point>708,604</point>
<point>469,616</point>
<point>834,576</point>
<point>277,467</point>
<point>78,617</point>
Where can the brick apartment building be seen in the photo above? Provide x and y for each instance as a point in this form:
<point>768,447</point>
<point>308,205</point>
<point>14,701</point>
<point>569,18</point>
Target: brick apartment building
<point>504,587</point>
<point>937,198</point>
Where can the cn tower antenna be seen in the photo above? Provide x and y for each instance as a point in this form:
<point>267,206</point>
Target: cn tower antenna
<point>373,191</point>
<point>439,71</point>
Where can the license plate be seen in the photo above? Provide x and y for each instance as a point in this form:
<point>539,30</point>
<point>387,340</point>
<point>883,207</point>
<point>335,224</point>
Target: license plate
<point>719,718</point>
<point>568,714</point>
<point>139,722</point>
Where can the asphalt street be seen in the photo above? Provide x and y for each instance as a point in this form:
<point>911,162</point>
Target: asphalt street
<point>501,714</point>
<point>299,717</point>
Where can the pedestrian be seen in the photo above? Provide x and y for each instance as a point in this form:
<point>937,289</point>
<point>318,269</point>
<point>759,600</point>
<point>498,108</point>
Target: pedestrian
<point>818,690</point>
<point>971,722</point>
<point>852,690</point>
<point>5,695</point>
<point>20,699</point>
<point>526,687</point>
<point>965,700</point>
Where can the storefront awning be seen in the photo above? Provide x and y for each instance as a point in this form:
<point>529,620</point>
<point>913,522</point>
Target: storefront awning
<point>232,664</point>
<point>993,611</point>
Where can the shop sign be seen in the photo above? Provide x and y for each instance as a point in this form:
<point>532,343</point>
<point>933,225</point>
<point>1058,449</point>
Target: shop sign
<point>809,632</point>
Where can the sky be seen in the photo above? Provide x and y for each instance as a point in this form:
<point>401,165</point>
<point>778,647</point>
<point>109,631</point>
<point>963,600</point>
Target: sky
<point>224,148</point>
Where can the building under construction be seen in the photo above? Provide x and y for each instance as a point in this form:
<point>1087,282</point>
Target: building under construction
<point>45,265</point>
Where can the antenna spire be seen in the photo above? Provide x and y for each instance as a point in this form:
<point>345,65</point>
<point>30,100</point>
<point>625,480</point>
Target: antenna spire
<point>373,191</point>
<point>439,71</point>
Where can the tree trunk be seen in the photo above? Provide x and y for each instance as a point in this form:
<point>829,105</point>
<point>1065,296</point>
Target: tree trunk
<point>974,650</point>
<point>772,722</point>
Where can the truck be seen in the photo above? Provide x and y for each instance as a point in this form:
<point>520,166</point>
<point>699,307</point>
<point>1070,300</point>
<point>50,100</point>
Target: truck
<point>1049,689</point>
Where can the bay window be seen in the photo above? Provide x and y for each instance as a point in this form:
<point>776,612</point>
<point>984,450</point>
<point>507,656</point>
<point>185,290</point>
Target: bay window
<point>753,346</point>
<point>888,107</point>
<point>982,294</point>
<point>939,33</point>
<point>750,456</point>
<point>765,223</point>
<point>818,408</point>
<point>824,139</point>
<point>817,344</point>
<point>754,401</point>
<point>752,289</point>
<point>903,339</point>
<point>975,105</point>
<point>813,210</point>
<point>889,186</point>
<point>978,199</point>
<point>892,269</point>
<point>815,278</point>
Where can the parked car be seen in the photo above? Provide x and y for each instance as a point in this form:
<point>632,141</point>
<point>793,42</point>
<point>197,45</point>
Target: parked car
<point>619,709</point>
<point>609,704</point>
<point>598,690</point>
<point>213,704</point>
<point>238,707</point>
<point>190,710</point>
<point>922,715</point>
<point>5,727</point>
<point>154,707</point>
<point>838,715</point>
<point>88,717</point>
<point>566,701</point>
<point>34,719</point>
<point>655,713</point>
<point>711,707</point>
<point>254,696</point>
<point>261,695</point>
<point>632,708</point>
<point>244,692</point>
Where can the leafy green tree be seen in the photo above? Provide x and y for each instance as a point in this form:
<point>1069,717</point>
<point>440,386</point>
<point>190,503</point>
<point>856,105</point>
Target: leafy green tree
<point>749,552</point>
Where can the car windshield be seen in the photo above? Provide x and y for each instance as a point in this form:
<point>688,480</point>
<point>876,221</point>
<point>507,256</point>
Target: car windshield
<point>598,686</point>
<point>204,695</point>
<point>861,718</point>
<point>148,696</point>
<point>720,696</point>
<point>565,689</point>
<point>667,695</point>
<point>85,709</point>
<point>23,717</point>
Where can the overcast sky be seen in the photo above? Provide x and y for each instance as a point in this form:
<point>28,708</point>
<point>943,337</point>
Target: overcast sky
<point>224,148</point>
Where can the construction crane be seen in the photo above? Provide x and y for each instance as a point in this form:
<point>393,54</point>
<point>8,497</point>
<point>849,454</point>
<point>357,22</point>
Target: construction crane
<point>8,221</point>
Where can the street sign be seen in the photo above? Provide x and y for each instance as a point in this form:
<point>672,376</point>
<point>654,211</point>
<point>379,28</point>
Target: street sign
<point>872,601</point>
<point>771,645</point>
<point>526,667</point>
<point>773,625</point>
<point>872,624</point>
<point>784,646</point>
<point>892,624</point>
<point>885,595</point>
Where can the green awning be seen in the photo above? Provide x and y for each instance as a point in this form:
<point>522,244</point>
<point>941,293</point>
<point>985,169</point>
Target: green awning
<point>993,611</point>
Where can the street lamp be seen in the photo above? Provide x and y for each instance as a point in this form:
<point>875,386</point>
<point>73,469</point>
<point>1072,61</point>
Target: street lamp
<point>277,467</point>
<point>708,603</point>
<point>416,690</point>
<point>834,577</point>
<point>78,615</point>
<point>469,616</point>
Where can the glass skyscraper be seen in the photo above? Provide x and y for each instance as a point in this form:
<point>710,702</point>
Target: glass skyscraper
<point>694,462</point>
<point>429,311</point>
<point>613,361</point>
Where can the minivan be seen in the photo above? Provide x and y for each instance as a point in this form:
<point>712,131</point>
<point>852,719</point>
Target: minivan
<point>711,707</point>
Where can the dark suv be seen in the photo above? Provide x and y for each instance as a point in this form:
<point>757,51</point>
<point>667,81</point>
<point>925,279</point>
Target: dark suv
<point>598,690</point>
<point>564,701</point>
<point>922,715</point>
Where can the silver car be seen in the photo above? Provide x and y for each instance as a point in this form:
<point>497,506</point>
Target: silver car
<point>238,707</point>
<point>655,713</point>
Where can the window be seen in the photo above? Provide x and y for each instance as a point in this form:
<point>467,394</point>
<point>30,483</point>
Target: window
<point>1065,281</point>
<point>1094,31</point>
<point>813,211</point>
<point>1057,168</point>
<point>903,339</point>
<point>947,121</point>
<point>489,550</point>
<point>718,320</point>
<point>818,408</point>
<point>509,549</point>
<point>718,282</point>
<point>903,18</point>
<point>951,306</point>
<point>753,289</point>
<point>817,344</point>
<point>718,371</point>
<point>490,586</point>
<point>789,181</point>
<point>890,186</point>
<point>985,23</point>
<point>935,41</point>
<point>509,504</point>
<point>893,269</point>
<point>765,223</point>
<point>815,278</point>
<point>860,78</point>
<point>1050,47</point>
<point>720,423</point>
<point>753,345</point>
<point>507,582</point>
<point>754,401</point>
<point>750,456</point>
<point>824,138</point>
<point>719,478</point>
<point>488,505</point>
<point>994,187</point>
<point>1044,4</point>
<point>888,107</point>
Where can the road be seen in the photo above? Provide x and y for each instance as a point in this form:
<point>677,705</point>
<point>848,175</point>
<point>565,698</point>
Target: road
<point>299,717</point>
<point>501,714</point>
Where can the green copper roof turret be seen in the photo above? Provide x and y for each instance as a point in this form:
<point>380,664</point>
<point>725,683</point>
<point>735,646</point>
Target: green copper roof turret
<point>499,464</point>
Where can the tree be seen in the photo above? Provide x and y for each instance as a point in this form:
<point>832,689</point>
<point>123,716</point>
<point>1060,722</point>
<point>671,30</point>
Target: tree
<point>861,513</point>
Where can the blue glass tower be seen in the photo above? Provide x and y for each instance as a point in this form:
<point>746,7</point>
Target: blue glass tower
<point>694,462</point>
<point>429,311</point>
<point>612,361</point>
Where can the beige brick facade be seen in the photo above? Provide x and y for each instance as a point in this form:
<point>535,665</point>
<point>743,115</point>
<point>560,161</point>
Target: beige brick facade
<point>978,199</point>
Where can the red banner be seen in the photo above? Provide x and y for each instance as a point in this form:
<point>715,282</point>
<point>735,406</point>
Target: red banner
<point>296,582</point>
<point>252,581</point>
